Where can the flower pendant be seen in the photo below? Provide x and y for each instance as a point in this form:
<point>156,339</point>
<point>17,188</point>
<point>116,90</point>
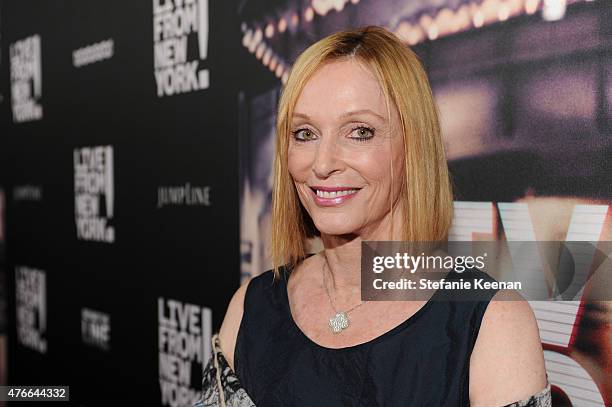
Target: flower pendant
<point>339,322</point>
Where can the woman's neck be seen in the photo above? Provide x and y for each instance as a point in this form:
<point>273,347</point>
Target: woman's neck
<point>341,259</point>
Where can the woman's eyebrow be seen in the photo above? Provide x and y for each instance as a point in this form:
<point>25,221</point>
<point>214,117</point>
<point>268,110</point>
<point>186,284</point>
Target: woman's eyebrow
<point>302,115</point>
<point>361,111</point>
<point>344,115</point>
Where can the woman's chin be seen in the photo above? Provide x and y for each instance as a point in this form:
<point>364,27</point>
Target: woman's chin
<point>331,229</point>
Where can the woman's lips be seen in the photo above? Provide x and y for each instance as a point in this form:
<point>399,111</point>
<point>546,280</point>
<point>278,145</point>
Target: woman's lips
<point>326,196</point>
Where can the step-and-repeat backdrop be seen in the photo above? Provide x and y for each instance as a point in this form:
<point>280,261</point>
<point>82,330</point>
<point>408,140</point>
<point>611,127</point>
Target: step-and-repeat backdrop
<point>120,165</point>
<point>137,139</point>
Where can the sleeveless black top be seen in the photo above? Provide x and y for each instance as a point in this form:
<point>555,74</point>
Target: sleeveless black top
<point>424,361</point>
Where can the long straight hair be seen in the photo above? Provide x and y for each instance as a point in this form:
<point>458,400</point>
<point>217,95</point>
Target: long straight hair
<point>426,196</point>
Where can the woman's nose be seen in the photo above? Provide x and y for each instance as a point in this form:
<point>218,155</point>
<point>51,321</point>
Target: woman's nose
<point>326,160</point>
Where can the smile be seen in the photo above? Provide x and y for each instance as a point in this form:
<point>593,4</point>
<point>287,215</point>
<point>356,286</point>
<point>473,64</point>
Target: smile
<point>326,196</point>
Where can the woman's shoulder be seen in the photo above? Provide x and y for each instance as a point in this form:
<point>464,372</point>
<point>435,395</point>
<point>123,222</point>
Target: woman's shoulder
<point>250,294</point>
<point>507,363</point>
<point>231,322</point>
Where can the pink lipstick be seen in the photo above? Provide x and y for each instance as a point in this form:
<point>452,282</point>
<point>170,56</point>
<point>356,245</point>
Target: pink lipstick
<point>332,196</point>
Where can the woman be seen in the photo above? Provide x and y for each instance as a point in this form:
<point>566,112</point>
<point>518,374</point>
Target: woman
<point>359,157</point>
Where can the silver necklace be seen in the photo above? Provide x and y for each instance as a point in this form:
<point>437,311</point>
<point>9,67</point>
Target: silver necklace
<point>340,320</point>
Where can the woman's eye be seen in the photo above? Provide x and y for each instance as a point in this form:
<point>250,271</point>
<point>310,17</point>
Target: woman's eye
<point>303,135</point>
<point>362,133</point>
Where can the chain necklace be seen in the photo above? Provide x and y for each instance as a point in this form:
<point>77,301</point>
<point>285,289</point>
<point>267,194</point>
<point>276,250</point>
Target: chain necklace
<point>340,320</point>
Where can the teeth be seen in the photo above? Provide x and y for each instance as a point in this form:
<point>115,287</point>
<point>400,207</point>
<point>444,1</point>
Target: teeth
<point>335,194</point>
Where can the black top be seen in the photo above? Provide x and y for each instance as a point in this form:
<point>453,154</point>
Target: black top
<point>424,361</point>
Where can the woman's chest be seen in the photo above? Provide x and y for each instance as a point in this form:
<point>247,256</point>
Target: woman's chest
<point>383,374</point>
<point>335,328</point>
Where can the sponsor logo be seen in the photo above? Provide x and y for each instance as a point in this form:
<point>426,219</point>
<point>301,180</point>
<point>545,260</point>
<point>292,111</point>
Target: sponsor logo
<point>26,79</point>
<point>94,193</point>
<point>31,301</point>
<point>93,53</point>
<point>27,193</point>
<point>187,195</point>
<point>177,23</point>
<point>95,328</point>
<point>184,347</point>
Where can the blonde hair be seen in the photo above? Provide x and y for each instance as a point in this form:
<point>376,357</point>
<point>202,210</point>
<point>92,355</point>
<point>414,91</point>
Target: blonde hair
<point>426,193</point>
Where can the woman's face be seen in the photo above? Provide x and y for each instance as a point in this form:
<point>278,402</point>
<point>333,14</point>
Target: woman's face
<point>341,147</point>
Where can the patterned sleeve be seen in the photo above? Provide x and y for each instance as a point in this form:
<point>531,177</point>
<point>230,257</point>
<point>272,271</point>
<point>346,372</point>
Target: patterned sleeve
<point>540,399</point>
<point>218,374</point>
